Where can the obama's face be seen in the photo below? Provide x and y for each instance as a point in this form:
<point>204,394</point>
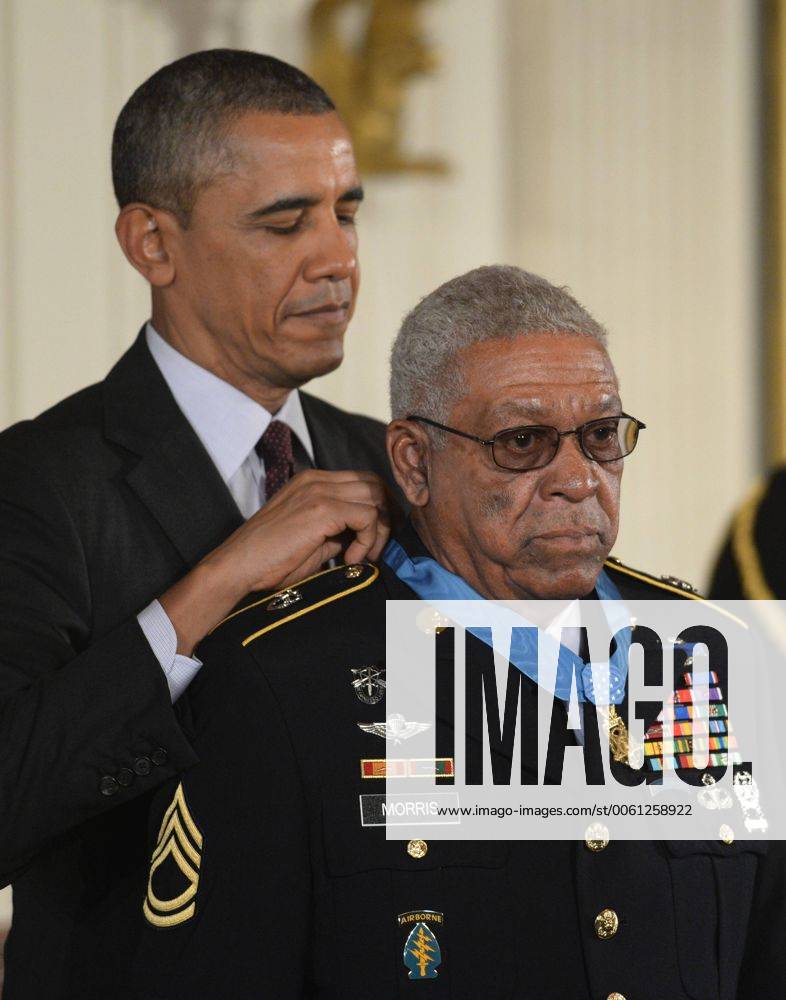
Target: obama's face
<point>265,274</point>
<point>541,533</point>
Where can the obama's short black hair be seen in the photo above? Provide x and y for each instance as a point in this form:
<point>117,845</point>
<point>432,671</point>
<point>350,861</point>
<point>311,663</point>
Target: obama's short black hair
<point>169,139</point>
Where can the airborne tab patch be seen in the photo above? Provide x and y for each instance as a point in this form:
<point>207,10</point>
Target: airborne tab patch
<point>174,866</point>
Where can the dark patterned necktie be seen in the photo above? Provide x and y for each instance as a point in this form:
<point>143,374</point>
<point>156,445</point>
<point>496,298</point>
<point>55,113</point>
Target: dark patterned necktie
<point>275,450</point>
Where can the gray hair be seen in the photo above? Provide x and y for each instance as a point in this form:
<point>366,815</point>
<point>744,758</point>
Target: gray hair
<point>498,301</point>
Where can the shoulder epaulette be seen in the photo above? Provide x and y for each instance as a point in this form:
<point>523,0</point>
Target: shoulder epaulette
<point>302,597</point>
<point>671,583</point>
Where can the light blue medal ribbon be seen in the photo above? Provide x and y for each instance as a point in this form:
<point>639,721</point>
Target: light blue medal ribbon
<point>433,583</point>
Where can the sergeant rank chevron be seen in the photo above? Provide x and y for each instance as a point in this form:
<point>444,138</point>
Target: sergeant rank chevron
<point>174,867</point>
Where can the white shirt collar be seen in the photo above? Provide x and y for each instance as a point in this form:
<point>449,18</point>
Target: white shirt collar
<point>227,421</point>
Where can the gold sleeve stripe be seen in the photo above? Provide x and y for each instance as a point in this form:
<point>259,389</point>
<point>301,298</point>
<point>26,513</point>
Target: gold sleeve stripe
<point>674,590</point>
<point>743,544</point>
<point>313,607</point>
<point>271,597</point>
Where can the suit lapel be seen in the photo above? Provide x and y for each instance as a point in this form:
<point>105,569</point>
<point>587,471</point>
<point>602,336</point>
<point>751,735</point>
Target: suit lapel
<point>175,477</point>
<point>330,440</point>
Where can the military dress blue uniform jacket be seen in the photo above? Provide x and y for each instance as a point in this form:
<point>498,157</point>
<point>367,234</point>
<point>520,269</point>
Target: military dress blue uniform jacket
<point>262,883</point>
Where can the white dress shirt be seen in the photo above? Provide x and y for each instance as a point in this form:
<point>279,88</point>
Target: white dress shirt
<point>229,424</point>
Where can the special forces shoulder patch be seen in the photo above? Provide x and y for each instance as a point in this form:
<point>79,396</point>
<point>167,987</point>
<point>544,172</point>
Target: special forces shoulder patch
<point>422,954</point>
<point>174,867</point>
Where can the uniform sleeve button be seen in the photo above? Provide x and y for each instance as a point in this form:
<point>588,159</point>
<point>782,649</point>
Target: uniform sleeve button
<point>124,777</point>
<point>417,849</point>
<point>607,924</point>
<point>108,785</point>
<point>142,765</point>
<point>615,996</point>
<point>159,756</point>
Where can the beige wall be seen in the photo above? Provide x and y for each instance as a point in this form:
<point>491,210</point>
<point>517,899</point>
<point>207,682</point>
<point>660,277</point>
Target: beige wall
<point>635,183</point>
<point>608,144</point>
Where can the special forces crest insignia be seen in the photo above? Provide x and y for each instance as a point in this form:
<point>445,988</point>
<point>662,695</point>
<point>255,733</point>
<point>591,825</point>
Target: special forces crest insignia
<point>368,683</point>
<point>422,954</point>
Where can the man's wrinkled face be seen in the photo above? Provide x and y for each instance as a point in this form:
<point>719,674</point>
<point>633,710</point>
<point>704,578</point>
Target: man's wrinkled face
<point>545,532</point>
<point>267,267</point>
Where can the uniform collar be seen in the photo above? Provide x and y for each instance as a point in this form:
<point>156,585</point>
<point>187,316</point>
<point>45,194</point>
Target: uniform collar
<point>227,421</point>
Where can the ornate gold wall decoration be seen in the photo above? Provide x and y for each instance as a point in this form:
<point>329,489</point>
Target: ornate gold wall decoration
<point>367,76</point>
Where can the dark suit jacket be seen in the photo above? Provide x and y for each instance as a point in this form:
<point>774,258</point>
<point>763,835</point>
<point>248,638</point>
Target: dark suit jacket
<point>265,884</point>
<point>105,501</point>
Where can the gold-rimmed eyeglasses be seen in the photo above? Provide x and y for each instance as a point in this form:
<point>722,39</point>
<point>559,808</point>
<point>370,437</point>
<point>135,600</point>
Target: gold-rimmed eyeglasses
<point>533,446</point>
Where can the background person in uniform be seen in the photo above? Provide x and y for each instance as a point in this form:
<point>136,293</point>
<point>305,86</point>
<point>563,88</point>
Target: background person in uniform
<point>262,880</point>
<point>128,512</point>
<point>752,561</point>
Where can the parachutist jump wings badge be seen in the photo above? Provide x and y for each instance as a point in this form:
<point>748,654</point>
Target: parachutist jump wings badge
<point>396,729</point>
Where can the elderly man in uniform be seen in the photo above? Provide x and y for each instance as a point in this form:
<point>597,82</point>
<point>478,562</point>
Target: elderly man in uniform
<point>508,440</point>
